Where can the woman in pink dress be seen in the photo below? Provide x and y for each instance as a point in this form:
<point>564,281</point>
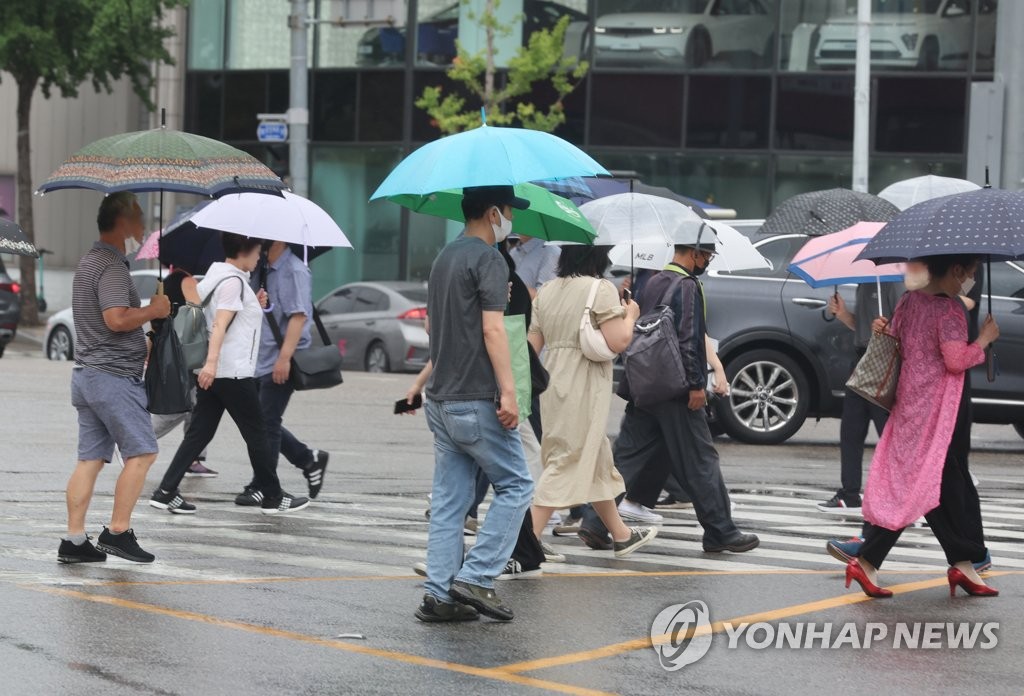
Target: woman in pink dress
<point>916,469</point>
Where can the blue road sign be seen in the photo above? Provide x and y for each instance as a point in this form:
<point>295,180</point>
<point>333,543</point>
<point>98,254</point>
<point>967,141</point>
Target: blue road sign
<point>272,132</point>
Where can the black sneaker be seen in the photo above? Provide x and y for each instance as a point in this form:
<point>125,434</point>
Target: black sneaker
<point>171,502</point>
<point>738,544</point>
<point>283,504</point>
<point>79,553</point>
<point>483,599</point>
<point>315,473</point>
<point>434,611</point>
<point>638,536</point>
<point>840,505</point>
<point>249,497</point>
<point>124,545</point>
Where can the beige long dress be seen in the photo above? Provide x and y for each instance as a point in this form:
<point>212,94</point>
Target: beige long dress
<point>578,464</point>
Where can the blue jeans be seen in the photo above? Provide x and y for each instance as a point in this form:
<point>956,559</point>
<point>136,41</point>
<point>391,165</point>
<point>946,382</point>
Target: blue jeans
<point>468,438</point>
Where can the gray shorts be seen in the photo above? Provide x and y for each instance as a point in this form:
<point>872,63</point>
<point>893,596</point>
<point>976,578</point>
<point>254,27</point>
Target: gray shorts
<point>111,410</point>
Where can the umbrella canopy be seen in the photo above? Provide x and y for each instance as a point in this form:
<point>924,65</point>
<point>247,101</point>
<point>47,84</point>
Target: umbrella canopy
<point>824,212</point>
<point>635,218</point>
<point>288,218</point>
<point>14,241</point>
<point>486,156</point>
<point>549,216</point>
<point>832,259</point>
<point>986,222</point>
<point>909,192</point>
<point>162,159</point>
<point>582,189</point>
<point>734,252</point>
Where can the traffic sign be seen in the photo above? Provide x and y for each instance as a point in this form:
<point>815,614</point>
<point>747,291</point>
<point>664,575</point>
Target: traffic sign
<point>272,132</point>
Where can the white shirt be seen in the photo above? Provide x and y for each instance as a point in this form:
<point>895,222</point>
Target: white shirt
<point>241,345</point>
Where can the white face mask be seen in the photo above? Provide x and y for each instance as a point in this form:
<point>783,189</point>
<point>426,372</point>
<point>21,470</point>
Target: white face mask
<point>131,246</point>
<point>502,231</point>
<point>915,279</point>
<point>967,285</point>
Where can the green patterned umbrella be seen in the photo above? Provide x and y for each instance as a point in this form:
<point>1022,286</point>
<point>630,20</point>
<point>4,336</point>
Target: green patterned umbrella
<point>163,160</point>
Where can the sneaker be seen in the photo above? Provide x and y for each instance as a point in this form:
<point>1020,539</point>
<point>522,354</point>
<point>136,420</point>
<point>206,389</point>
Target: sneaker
<point>984,564</point>
<point>420,568</point>
<point>483,599</point>
<point>836,504</point>
<point>844,551</point>
<point>426,513</point>
<point>124,545</point>
<point>435,611</point>
<point>315,473</point>
<point>283,504</point>
<point>554,521</point>
<point>171,502</point>
<point>739,544</point>
<point>594,540</point>
<point>570,527</point>
<point>670,503</point>
<point>639,536</point>
<point>249,497</point>
<point>471,526</point>
<point>79,553</point>
<point>550,555</point>
<point>514,571</point>
<point>199,470</point>
<point>634,512</point>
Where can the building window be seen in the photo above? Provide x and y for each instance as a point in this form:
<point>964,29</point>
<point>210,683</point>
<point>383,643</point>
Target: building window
<point>728,112</point>
<point>814,112</point>
<point>206,34</point>
<point>920,115</point>
<point>334,106</point>
<point>381,96</point>
<point>636,110</point>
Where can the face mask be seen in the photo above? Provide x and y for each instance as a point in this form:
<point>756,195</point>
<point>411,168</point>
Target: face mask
<point>967,286</point>
<point>698,270</point>
<point>131,246</point>
<point>915,279</point>
<point>502,231</point>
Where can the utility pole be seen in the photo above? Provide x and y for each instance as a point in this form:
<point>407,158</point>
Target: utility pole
<point>1010,77</point>
<point>298,99</point>
<point>862,97</point>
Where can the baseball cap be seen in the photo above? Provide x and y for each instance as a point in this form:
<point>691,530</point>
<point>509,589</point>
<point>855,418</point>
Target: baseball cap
<point>494,195</point>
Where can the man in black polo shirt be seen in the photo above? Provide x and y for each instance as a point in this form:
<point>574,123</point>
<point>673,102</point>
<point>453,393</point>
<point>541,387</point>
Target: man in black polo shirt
<point>106,384</point>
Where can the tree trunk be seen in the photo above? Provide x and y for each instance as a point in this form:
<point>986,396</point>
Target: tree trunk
<point>489,104</point>
<point>29,305</point>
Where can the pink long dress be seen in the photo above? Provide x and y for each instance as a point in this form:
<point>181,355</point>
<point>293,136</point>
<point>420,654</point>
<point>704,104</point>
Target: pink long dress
<point>906,471</point>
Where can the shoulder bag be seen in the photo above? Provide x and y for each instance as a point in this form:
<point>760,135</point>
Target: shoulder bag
<point>653,364</point>
<point>592,341</point>
<point>315,367</point>
<point>877,373</point>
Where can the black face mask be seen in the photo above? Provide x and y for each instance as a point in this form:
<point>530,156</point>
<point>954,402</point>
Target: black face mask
<point>698,270</point>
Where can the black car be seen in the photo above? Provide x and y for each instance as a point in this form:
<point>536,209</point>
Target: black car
<point>10,307</point>
<point>787,359</point>
<point>437,33</point>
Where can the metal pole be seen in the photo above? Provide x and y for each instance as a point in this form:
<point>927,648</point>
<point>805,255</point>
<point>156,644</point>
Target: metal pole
<point>862,97</point>
<point>1010,67</point>
<point>298,104</point>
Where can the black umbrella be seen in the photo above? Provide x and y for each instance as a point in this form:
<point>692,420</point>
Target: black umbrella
<point>14,241</point>
<point>825,212</point>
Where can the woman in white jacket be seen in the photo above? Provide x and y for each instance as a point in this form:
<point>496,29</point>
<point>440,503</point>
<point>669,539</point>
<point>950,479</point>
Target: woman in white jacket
<point>226,382</point>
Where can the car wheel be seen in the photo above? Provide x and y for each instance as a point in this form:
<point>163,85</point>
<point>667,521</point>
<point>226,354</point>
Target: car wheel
<point>1019,427</point>
<point>769,398</point>
<point>377,358</point>
<point>698,50</point>
<point>929,58</point>
<point>60,346</point>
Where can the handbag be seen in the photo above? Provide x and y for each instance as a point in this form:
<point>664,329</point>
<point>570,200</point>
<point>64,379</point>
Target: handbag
<point>878,371</point>
<point>515,329</point>
<point>592,341</point>
<point>315,367</point>
<point>167,381</point>
<point>653,364</point>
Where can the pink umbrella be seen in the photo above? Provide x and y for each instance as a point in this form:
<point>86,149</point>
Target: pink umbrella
<point>150,248</point>
<point>831,259</point>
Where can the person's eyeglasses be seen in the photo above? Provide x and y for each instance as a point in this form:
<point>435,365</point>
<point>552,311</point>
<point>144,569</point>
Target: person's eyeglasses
<point>708,255</point>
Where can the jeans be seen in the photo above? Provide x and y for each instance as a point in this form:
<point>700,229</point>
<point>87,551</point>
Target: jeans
<point>468,437</point>
<point>274,400</point>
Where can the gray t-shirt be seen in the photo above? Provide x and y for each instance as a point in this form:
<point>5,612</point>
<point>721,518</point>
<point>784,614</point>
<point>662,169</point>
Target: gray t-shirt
<point>468,277</point>
<point>865,310</point>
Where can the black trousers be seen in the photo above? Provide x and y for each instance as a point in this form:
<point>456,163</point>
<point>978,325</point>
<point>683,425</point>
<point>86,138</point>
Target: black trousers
<point>956,522</point>
<point>858,415</point>
<point>240,399</point>
<point>274,400</point>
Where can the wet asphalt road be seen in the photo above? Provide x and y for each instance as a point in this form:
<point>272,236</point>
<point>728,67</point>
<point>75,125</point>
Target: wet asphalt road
<point>241,603</point>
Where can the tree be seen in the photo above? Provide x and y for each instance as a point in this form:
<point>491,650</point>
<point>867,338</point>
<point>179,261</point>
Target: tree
<point>543,58</point>
<point>60,44</point>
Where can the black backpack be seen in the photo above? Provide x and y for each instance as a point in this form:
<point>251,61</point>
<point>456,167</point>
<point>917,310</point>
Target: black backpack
<point>653,364</point>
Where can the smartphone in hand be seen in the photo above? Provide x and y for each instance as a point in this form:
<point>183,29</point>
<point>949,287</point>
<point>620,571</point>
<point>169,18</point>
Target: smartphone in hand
<point>403,405</point>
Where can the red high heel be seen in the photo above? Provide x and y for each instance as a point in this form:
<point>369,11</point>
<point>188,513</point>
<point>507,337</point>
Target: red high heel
<point>854,571</point>
<point>956,578</point>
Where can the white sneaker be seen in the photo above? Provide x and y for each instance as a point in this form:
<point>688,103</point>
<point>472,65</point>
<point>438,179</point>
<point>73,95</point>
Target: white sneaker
<point>554,521</point>
<point>514,571</point>
<point>550,555</point>
<point>420,568</point>
<point>638,513</point>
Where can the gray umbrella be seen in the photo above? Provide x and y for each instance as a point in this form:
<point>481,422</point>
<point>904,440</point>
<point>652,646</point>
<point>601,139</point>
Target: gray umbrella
<point>14,241</point>
<point>824,212</point>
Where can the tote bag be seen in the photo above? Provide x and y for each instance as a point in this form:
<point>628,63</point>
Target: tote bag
<point>167,381</point>
<point>878,372</point>
<point>515,329</point>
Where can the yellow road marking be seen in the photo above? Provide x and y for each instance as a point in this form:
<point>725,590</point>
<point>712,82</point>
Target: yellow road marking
<point>718,627</point>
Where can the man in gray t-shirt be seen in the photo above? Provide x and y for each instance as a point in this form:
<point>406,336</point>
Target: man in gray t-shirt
<point>472,412</point>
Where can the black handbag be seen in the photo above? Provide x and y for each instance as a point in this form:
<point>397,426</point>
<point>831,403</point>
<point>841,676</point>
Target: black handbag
<point>168,383</point>
<point>539,376</point>
<point>315,367</point>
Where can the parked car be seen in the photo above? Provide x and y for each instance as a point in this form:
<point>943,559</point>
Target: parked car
<point>10,308</point>
<point>437,33</point>
<point>378,326</point>
<point>910,34</point>
<point>687,33</point>
<point>59,338</point>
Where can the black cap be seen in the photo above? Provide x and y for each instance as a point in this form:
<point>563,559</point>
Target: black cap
<point>494,195</point>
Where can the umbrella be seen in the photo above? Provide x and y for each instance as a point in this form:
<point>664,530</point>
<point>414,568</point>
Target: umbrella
<point>287,218</point>
<point>832,259</point>
<point>487,156</point>
<point>908,192</point>
<point>635,218</point>
<point>549,216</point>
<point>824,212</point>
<point>734,252</point>
<point>14,241</point>
<point>582,189</point>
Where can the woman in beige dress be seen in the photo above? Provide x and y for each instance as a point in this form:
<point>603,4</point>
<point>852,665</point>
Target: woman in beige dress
<point>578,464</point>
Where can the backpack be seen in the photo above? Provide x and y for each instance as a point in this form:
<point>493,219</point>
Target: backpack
<point>653,364</point>
<point>190,325</point>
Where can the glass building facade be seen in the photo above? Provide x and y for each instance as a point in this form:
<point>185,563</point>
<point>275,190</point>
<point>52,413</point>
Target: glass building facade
<point>742,103</point>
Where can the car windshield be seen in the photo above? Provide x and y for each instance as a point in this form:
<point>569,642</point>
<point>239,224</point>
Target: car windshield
<point>415,295</point>
<point>898,6</point>
<point>680,6</point>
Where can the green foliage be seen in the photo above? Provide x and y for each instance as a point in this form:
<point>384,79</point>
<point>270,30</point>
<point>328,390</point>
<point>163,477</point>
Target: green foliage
<point>60,44</point>
<point>542,59</point>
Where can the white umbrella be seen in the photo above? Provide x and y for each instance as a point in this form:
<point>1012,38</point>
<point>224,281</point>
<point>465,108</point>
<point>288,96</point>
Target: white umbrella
<point>734,251</point>
<point>291,218</point>
<point>638,218</point>
<point>908,192</point>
